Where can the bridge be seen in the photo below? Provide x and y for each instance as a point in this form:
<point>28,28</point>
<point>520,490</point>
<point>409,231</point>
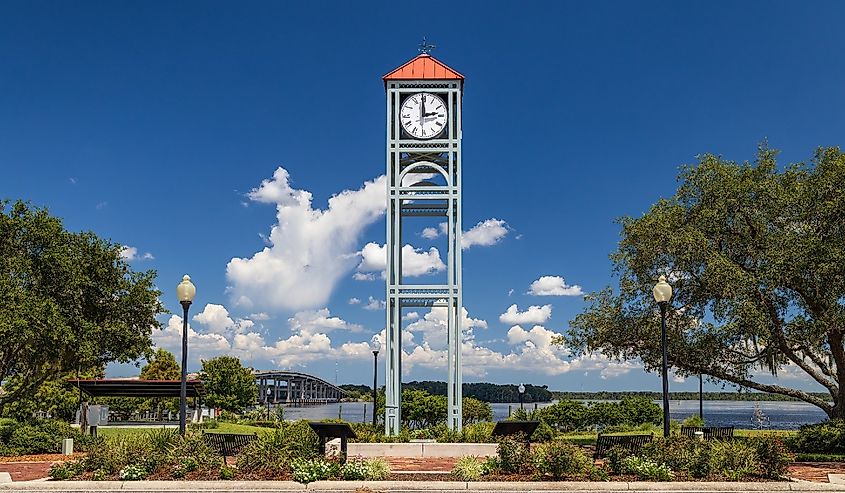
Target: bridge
<point>295,388</point>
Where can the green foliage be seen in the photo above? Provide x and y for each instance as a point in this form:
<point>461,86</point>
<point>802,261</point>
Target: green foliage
<point>773,458</point>
<point>475,411</point>
<point>615,457</point>
<point>826,437</point>
<point>754,253</point>
<point>693,421</point>
<point>486,392</point>
<point>354,469</point>
<point>272,452</point>
<point>62,471</point>
<point>161,365</point>
<point>469,468</point>
<point>230,386</point>
<point>421,409</point>
<point>647,469</point>
<point>604,414</point>
<point>514,455</point>
<point>69,301</point>
<point>36,437</point>
<point>133,472</point>
<point>566,415</point>
<point>226,472</point>
<point>559,459</point>
<point>733,459</point>
<point>314,469</point>
<point>377,469</point>
<point>639,410</point>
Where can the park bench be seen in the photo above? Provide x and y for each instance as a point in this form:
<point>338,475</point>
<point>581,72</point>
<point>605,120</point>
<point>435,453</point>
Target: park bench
<point>227,444</point>
<point>631,443</point>
<point>710,432</point>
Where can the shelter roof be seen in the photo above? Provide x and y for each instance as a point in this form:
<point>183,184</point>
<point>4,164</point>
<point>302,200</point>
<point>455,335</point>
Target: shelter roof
<point>126,387</point>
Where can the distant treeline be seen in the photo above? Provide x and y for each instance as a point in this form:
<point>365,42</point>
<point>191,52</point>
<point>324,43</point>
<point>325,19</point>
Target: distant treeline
<point>680,396</point>
<point>488,392</point>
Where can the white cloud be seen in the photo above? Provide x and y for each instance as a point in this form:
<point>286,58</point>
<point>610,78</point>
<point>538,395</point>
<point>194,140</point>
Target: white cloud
<point>260,316</point>
<point>415,262</point>
<point>374,304</point>
<point>364,276</point>
<point>310,249</point>
<point>533,315</point>
<point>354,301</point>
<point>216,318</point>
<point>485,233</point>
<point>200,345</point>
<point>411,316</point>
<point>554,286</point>
<point>130,254</point>
<point>432,233</point>
<point>319,321</point>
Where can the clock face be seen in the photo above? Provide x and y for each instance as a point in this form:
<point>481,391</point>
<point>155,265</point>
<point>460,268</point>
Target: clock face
<point>423,115</point>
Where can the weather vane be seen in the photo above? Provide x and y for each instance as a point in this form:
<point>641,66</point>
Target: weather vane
<point>426,48</point>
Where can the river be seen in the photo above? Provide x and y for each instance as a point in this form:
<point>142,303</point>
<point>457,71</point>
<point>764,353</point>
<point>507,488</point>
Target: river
<point>779,415</point>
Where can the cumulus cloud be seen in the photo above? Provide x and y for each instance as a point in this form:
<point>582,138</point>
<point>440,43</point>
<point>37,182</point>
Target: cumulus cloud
<point>217,320</point>
<point>432,233</point>
<point>533,315</point>
<point>415,262</point>
<point>130,254</point>
<point>554,286</point>
<point>309,249</point>
<point>485,233</point>
<point>374,304</point>
<point>354,301</point>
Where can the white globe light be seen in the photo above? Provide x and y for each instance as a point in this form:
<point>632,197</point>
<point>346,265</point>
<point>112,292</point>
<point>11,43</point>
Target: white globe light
<point>186,291</point>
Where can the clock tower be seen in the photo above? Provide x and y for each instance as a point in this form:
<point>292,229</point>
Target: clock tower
<point>424,99</point>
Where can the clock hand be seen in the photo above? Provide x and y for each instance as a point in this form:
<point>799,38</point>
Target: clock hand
<point>422,109</point>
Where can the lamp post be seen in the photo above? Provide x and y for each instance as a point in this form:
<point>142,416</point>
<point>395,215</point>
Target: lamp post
<point>701,396</point>
<point>375,345</point>
<point>521,390</point>
<point>185,291</point>
<point>662,294</point>
<point>269,393</point>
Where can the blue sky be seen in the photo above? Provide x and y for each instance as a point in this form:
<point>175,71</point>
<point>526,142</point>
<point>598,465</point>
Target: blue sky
<point>155,124</point>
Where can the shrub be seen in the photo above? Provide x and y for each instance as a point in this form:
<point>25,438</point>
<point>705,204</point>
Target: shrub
<point>638,410</point>
<point>377,469</point>
<point>543,433</point>
<point>478,433</point>
<point>272,452</point>
<point>491,465</point>
<point>733,459</point>
<point>32,439</point>
<point>615,457</point>
<point>514,454</point>
<point>191,451</point>
<point>772,457</point>
<point>675,451</point>
<point>354,469</point>
<point>226,472</point>
<point>602,414</point>
<point>65,470</point>
<point>310,470</point>
<point>694,420</point>
<point>469,468</point>
<point>475,411</point>
<point>559,459</point>
<point>647,469</point>
<point>133,472</point>
<point>99,475</point>
<point>566,415</point>
<point>826,437</point>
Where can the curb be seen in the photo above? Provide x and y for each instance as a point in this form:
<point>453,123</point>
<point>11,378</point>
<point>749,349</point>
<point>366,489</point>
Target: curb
<point>409,486</point>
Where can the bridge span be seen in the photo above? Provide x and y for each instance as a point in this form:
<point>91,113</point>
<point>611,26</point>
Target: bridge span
<point>281,387</point>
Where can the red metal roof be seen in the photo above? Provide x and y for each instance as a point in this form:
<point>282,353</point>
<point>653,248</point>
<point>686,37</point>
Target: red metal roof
<point>423,66</point>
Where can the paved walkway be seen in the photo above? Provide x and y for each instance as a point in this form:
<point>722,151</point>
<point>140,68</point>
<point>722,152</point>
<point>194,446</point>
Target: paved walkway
<point>26,471</point>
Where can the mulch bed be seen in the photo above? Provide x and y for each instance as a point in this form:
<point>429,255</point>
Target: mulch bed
<point>815,471</point>
<point>41,457</point>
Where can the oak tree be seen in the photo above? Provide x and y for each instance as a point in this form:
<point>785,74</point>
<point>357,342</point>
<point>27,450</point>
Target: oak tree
<point>756,256</point>
<point>69,301</point>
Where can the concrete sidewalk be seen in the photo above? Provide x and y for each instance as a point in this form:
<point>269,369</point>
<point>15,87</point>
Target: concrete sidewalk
<point>406,486</point>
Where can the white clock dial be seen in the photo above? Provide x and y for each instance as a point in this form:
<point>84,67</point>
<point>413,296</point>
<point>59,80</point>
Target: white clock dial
<point>423,115</point>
